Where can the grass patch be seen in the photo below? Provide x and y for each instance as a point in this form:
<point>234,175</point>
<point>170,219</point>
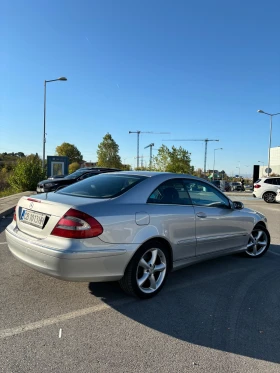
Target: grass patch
<point>7,192</point>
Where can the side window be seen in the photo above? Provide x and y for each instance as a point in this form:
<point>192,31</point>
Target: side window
<point>269,181</point>
<point>171,192</point>
<point>203,194</point>
<point>278,181</point>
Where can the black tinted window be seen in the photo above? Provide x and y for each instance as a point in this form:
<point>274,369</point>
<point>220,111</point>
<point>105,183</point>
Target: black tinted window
<point>75,174</point>
<point>269,181</point>
<point>171,192</point>
<point>102,186</point>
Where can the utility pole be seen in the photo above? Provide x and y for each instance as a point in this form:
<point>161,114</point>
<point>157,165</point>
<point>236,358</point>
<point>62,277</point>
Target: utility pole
<point>151,152</point>
<point>206,143</point>
<point>138,134</point>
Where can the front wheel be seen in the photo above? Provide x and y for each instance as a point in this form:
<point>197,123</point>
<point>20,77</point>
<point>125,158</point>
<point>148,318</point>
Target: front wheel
<point>146,273</point>
<point>269,197</point>
<point>258,243</point>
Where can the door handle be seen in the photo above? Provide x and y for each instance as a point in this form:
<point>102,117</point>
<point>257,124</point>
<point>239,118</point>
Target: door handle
<point>201,215</point>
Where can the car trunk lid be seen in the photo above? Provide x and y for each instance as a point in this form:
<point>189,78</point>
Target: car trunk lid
<point>38,215</point>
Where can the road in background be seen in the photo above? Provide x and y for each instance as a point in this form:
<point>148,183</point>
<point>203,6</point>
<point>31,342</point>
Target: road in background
<point>218,316</point>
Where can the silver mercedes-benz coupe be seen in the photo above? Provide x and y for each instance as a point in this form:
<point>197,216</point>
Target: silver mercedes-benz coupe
<point>132,227</point>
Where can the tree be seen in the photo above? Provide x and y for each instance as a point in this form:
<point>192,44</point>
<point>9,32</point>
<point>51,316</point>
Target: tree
<point>108,153</point>
<point>27,173</point>
<point>175,160</point>
<point>73,167</point>
<point>70,151</point>
<point>126,167</point>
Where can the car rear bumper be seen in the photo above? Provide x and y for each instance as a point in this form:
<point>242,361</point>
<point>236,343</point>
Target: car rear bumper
<point>93,265</point>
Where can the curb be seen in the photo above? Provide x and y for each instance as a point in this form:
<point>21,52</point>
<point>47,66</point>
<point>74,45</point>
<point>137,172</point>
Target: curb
<point>11,202</point>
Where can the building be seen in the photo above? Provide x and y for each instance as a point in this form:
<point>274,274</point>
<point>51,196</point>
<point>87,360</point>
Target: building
<point>274,162</point>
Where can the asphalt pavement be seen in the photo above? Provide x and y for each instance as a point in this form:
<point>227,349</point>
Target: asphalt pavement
<point>219,316</point>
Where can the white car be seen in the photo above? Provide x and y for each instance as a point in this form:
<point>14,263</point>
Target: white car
<point>266,188</point>
<point>277,198</point>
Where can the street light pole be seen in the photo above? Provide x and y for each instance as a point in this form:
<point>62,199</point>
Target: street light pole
<point>214,162</point>
<point>270,133</point>
<point>45,104</point>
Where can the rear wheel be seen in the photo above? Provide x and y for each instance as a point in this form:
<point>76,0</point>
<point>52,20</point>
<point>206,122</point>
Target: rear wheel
<point>269,197</point>
<point>147,271</point>
<point>258,243</point>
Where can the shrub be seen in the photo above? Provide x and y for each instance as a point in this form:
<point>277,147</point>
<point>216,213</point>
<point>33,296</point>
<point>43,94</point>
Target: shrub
<point>27,173</point>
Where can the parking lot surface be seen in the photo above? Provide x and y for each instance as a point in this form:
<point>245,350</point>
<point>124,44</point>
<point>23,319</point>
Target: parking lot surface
<point>219,316</point>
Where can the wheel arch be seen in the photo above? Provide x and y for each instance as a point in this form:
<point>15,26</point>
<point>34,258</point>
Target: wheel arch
<point>163,241</point>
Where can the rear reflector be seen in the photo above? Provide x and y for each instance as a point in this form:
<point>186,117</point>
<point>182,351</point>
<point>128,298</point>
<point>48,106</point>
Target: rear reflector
<point>77,224</point>
<point>256,186</point>
<point>15,214</point>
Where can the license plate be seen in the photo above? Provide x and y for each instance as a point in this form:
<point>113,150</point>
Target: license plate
<point>32,218</point>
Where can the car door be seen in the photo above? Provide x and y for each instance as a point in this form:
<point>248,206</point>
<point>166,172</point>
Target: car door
<point>218,226</point>
<point>172,213</point>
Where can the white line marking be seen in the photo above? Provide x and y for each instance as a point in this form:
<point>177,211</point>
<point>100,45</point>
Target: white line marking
<point>60,332</point>
<point>86,311</point>
<point>272,252</point>
<point>3,243</point>
<point>54,320</point>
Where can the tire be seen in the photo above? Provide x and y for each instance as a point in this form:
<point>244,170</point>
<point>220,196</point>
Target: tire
<point>147,271</point>
<point>269,197</point>
<point>258,243</point>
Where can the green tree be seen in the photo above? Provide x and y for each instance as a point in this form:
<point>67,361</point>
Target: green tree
<point>175,160</point>
<point>73,167</point>
<point>70,151</point>
<point>27,173</point>
<point>108,153</point>
<point>126,167</point>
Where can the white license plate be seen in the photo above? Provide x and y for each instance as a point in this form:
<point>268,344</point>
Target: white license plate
<point>32,218</point>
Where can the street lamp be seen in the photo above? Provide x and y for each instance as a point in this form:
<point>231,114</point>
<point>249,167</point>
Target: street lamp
<point>62,78</point>
<point>270,132</point>
<point>214,162</point>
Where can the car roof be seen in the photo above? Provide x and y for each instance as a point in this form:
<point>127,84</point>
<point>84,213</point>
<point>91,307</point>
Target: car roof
<point>97,169</point>
<point>152,174</point>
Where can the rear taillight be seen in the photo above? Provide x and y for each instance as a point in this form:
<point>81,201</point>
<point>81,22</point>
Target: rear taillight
<point>256,186</point>
<point>77,224</point>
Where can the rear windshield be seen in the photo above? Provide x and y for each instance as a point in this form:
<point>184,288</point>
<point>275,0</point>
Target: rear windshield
<point>102,186</point>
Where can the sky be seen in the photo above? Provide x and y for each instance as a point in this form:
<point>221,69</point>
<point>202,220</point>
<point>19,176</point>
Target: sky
<point>195,69</point>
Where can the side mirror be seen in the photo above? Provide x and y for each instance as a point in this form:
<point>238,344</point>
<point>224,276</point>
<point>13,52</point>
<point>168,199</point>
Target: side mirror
<point>238,205</point>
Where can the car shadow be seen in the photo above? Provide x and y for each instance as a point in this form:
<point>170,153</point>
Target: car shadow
<point>230,304</point>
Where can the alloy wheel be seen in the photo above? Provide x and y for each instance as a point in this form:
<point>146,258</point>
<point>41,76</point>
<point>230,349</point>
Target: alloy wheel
<point>269,197</point>
<point>258,242</point>
<point>151,270</point>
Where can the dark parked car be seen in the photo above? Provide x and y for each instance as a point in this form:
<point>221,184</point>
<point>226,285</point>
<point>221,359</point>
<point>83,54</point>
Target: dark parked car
<point>236,186</point>
<point>219,184</point>
<point>46,186</point>
<point>56,177</point>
